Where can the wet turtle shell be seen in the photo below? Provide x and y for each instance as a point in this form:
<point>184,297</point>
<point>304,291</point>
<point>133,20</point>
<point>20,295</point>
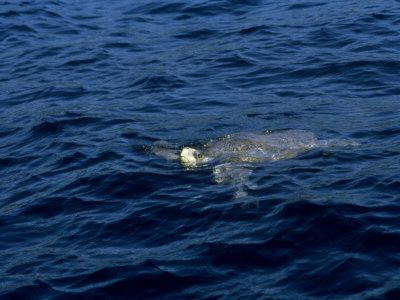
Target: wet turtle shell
<point>251,147</point>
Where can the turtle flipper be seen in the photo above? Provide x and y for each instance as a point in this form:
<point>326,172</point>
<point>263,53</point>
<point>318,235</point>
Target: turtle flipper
<point>165,150</point>
<point>235,174</point>
<point>336,143</point>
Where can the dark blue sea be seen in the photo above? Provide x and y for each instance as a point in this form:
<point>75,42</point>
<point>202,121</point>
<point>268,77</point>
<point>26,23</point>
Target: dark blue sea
<point>89,211</point>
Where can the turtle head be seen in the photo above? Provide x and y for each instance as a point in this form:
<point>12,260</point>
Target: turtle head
<point>189,156</point>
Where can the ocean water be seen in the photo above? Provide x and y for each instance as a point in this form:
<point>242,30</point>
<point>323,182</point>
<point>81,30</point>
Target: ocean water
<point>87,210</point>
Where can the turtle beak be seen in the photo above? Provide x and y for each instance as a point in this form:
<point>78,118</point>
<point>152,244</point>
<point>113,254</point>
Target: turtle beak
<point>188,156</point>
<point>184,160</point>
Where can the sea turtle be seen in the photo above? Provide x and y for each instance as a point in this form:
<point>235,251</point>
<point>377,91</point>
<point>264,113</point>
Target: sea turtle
<point>234,155</point>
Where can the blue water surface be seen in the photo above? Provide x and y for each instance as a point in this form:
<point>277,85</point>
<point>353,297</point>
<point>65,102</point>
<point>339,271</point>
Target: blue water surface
<point>88,210</point>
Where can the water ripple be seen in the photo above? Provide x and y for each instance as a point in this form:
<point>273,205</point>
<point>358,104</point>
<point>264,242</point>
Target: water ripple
<point>88,210</point>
